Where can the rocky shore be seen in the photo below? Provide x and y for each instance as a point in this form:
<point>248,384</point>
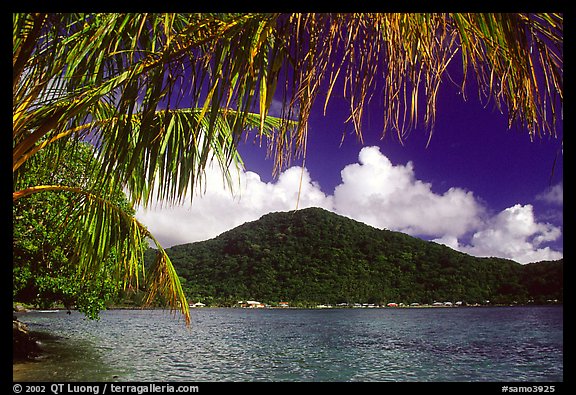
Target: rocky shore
<point>24,344</point>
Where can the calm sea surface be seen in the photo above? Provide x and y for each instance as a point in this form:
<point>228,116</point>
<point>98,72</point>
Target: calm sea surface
<point>421,344</point>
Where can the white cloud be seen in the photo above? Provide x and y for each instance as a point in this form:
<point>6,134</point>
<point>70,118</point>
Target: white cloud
<point>219,209</point>
<point>373,191</point>
<point>553,195</point>
<point>388,196</point>
<point>514,233</point>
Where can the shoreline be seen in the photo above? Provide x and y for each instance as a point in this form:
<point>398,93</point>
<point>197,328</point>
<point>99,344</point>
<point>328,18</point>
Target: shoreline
<point>316,307</point>
<point>368,308</point>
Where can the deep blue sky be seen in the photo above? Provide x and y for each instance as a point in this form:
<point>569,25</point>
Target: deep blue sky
<point>472,148</point>
<point>478,187</point>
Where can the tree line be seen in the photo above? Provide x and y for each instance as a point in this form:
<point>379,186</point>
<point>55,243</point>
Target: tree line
<point>312,256</point>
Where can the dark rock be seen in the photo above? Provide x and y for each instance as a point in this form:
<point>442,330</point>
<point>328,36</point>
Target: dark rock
<point>24,345</point>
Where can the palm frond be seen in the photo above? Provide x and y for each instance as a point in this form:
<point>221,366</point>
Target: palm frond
<point>98,228</point>
<point>516,59</point>
<point>163,280</point>
<point>236,60</point>
<point>518,62</point>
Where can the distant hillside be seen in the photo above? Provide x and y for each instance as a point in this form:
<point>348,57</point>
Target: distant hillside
<point>314,256</point>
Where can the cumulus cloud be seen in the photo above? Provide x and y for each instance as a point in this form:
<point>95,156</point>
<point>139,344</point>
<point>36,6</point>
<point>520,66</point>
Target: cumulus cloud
<point>373,191</point>
<point>513,233</point>
<point>219,208</point>
<point>388,196</point>
<point>553,195</point>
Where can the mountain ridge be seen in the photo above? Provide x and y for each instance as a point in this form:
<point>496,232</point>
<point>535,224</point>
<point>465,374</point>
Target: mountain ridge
<point>312,256</point>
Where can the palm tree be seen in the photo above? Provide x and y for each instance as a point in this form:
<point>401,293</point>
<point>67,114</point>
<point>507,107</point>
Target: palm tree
<point>112,80</point>
<point>161,96</point>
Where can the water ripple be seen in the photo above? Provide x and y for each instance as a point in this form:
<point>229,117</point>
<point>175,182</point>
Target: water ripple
<point>492,344</point>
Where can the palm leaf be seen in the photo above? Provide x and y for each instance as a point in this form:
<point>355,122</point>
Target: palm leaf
<point>100,227</point>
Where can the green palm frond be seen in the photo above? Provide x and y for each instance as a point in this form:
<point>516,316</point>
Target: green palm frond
<point>173,155</point>
<point>99,228</point>
<point>175,149</point>
<point>212,61</point>
<point>163,280</point>
<point>139,80</point>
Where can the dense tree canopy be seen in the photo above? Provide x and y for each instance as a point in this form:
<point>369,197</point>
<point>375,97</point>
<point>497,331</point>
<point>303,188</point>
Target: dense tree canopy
<point>45,269</point>
<point>312,256</point>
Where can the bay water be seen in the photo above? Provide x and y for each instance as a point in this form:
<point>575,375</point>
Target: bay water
<point>383,344</point>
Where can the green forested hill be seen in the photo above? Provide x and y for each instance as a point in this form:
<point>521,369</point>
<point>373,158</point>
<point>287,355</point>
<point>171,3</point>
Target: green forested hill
<point>314,256</point>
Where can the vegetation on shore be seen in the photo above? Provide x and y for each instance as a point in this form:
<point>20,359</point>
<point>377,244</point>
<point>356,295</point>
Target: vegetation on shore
<point>312,256</point>
<point>44,270</point>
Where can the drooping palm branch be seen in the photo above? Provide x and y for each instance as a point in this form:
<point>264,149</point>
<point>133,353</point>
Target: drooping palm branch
<point>162,95</point>
<point>517,60</point>
<point>141,142</point>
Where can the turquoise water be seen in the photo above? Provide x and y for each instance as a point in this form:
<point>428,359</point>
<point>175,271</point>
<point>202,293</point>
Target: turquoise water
<point>433,344</point>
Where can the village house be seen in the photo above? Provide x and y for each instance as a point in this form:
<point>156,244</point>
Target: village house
<point>251,304</point>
